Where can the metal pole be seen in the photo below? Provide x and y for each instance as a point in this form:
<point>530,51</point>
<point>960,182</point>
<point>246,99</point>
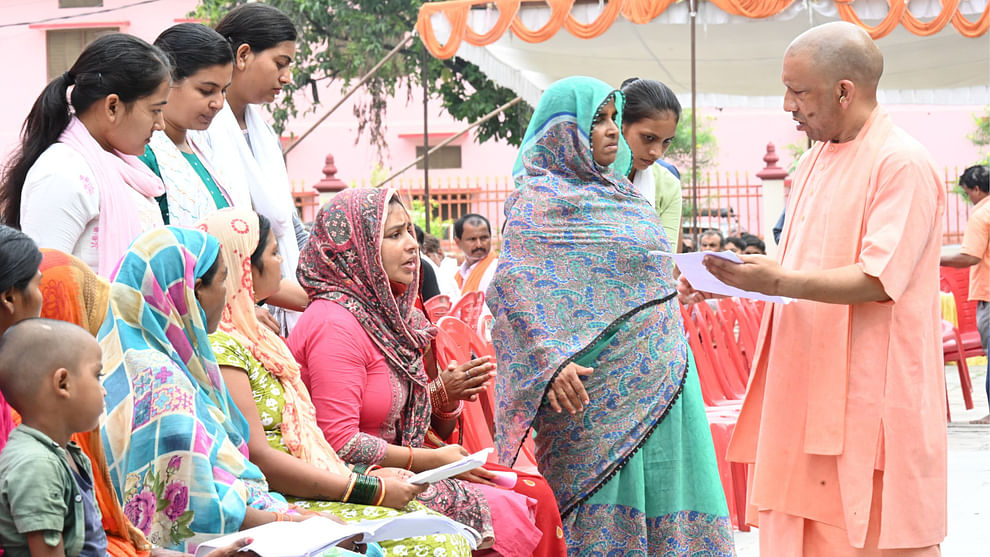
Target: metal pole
<point>451,139</point>
<point>353,90</point>
<point>427,209</point>
<point>694,124</point>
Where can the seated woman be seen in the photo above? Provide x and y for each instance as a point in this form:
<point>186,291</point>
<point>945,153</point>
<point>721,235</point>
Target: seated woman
<point>174,440</point>
<point>264,382</point>
<point>19,295</point>
<point>361,344</point>
<point>67,289</point>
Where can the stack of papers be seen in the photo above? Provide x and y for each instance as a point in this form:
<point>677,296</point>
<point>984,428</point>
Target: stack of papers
<point>313,536</point>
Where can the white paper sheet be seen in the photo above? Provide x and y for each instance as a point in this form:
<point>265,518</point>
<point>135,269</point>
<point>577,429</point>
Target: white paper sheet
<point>469,462</point>
<point>692,268</point>
<point>312,536</point>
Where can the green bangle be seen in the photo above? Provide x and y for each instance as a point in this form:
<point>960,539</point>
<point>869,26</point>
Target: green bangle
<point>360,468</point>
<point>365,490</point>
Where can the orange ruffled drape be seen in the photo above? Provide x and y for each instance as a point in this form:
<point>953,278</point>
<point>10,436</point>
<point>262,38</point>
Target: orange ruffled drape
<point>643,11</point>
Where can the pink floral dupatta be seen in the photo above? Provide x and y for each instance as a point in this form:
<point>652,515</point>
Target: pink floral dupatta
<point>342,263</point>
<point>237,230</point>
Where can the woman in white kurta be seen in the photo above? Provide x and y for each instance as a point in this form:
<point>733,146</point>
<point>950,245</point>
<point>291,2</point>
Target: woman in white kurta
<point>74,183</point>
<point>241,141</point>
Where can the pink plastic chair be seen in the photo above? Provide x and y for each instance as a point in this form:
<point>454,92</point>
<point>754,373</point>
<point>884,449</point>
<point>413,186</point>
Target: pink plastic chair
<point>437,306</point>
<point>468,308</point>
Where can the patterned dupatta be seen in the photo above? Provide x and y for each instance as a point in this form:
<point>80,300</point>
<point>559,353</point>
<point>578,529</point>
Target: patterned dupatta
<point>174,439</point>
<point>342,263</point>
<point>237,230</point>
<point>73,292</point>
<point>576,270</point>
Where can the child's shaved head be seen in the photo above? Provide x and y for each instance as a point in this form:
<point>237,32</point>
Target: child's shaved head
<point>31,350</point>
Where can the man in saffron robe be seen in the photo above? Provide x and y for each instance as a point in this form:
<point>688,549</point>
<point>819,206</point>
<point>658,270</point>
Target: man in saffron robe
<point>844,419</point>
<point>473,234</point>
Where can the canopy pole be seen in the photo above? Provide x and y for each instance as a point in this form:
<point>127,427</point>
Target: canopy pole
<point>427,208</point>
<point>364,79</point>
<point>451,139</point>
<point>693,11</point>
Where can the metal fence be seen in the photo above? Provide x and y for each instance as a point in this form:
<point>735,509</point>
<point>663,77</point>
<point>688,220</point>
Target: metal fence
<point>728,201</point>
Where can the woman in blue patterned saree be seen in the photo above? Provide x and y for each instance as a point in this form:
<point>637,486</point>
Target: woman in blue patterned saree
<point>591,350</point>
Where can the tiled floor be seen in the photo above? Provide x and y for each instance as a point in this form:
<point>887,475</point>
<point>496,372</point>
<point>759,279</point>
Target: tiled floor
<point>969,473</point>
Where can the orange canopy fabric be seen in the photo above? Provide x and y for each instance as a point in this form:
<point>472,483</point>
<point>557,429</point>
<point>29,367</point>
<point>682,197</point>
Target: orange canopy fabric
<point>643,11</point>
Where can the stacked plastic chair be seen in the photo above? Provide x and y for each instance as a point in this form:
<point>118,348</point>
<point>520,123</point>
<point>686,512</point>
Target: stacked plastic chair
<point>459,342</point>
<point>723,343</point>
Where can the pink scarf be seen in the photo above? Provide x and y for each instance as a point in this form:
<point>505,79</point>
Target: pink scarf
<point>115,173</point>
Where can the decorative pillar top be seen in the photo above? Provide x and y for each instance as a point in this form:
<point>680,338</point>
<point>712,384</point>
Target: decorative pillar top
<point>771,171</point>
<point>330,182</point>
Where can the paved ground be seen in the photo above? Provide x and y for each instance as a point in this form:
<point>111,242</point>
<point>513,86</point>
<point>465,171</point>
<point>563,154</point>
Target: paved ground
<point>969,474</point>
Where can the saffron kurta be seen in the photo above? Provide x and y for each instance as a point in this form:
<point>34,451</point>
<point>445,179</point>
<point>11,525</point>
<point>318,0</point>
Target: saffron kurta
<point>840,391</point>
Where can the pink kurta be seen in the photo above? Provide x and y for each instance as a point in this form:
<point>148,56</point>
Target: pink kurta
<point>839,391</point>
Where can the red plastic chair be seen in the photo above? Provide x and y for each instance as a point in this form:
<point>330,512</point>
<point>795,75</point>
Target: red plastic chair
<point>456,342</point>
<point>956,281</point>
<point>731,369</point>
<point>950,349</point>
<point>722,414</point>
<point>468,308</point>
<point>437,306</point>
<point>965,340</point>
<point>738,320</point>
<point>700,340</point>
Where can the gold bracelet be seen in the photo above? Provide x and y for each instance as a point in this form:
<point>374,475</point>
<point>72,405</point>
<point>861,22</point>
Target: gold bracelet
<point>350,488</point>
<point>381,496</point>
<point>409,464</point>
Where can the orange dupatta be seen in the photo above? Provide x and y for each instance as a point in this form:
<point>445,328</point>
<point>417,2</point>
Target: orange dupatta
<point>72,292</point>
<point>473,281</point>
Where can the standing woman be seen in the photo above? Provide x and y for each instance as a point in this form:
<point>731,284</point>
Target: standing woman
<point>241,141</point>
<point>75,184</point>
<point>20,297</point>
<point>649,122</point>
<point>202,63</point>
<point>590,344</point>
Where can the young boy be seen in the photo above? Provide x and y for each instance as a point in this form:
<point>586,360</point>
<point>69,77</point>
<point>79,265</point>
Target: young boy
<point>50,373</point>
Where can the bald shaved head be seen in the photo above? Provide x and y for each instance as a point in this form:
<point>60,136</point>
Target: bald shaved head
<point>34,348</point>
<point>841,50</point>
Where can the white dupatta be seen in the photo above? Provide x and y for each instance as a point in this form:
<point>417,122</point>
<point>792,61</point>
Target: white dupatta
<point>256,173</point>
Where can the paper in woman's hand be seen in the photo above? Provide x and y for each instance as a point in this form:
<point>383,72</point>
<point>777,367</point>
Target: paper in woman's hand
<point>702,280</point>
<point>469,462</point>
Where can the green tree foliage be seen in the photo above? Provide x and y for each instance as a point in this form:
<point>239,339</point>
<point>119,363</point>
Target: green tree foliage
<point>340,40</point>
<point>981,135</point>
<point>679,153</point>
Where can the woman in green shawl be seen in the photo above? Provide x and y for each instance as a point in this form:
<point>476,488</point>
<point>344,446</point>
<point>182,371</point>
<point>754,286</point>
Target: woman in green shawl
<point>591,348</point>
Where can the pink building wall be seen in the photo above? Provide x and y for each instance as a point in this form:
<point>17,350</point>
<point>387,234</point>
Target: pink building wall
<point>742,133</point>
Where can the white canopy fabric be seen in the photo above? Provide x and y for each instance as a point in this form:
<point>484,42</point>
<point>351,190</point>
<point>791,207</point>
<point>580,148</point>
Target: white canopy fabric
<point>738,59</point>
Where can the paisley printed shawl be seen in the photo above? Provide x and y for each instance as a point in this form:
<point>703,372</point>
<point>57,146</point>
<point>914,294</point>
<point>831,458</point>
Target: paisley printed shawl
<point>174,439</point>
<point>574,266</point>
<point>342,263</point>
<point>237,230</point>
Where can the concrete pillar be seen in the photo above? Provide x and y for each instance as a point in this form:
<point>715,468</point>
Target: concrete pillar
<point>773,178</point>
<point>330,184</point>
